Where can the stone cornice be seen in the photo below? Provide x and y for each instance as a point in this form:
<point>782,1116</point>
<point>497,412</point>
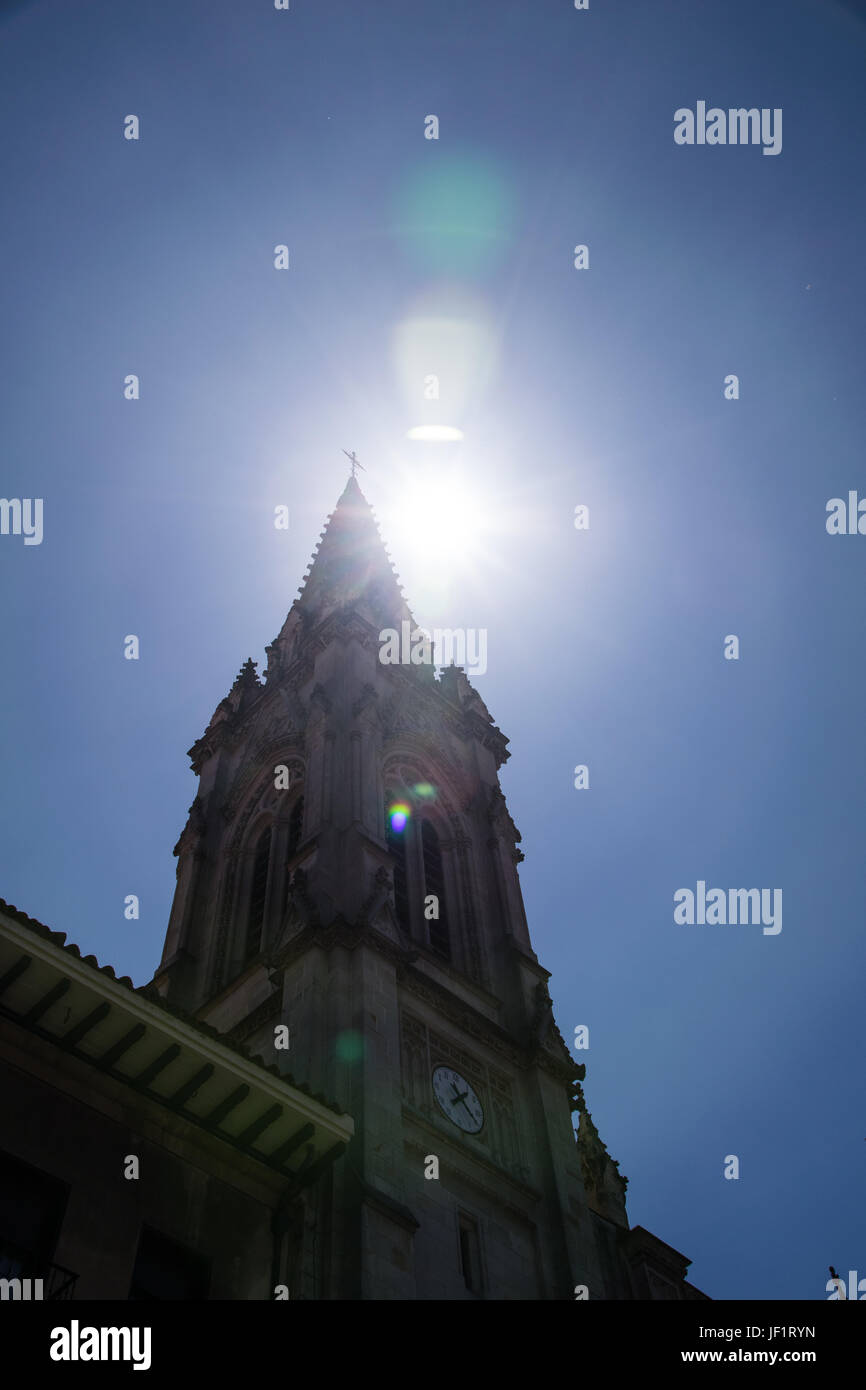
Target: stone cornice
<point>474,1023</point>
<point>339,933</point>
<point>395,1211</point>
<point>484,1030</point>
<point>267,1009</point>
<point>467,1018</point>
<point>529,959</point>
<point>464,1152</point>
<point>423,953</point>
<point>343,624</point>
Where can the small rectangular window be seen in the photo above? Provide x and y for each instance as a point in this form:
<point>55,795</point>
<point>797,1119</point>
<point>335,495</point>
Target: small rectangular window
<point>470,1253</point>
<point>32,1207</point>
<point>166,1270</point>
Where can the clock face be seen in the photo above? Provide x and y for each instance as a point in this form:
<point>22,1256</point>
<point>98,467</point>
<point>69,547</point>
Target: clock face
<point>457,1100</point>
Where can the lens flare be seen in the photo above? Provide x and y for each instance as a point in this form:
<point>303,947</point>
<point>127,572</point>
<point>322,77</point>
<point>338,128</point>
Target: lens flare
<point>435,434</point>
<point>350,1046</point>
<point>397,818</point>
<point>456,215</point>
<point>448,342</point>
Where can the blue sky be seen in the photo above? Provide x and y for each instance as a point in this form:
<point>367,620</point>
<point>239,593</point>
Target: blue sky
<point>602,387</point>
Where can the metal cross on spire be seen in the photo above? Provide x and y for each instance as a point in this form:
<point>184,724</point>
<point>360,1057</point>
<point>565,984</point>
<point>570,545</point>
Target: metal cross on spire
<point>354,462</point>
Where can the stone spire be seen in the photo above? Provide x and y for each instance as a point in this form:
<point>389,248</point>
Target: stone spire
<point>350,562</point>
<point>350,570</point>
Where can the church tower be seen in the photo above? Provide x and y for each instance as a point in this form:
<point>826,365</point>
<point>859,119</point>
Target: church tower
<point>349,871</point>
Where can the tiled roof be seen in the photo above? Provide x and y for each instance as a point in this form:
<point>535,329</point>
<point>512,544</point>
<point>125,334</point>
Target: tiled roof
<point>152,995</point>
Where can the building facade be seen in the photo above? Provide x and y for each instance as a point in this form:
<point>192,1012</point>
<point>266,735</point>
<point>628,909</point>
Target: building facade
<point>141,1155</point>
<point>349,870</point>
<point>348,912</point>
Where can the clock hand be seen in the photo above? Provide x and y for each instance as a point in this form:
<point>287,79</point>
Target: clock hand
<point>457,1098</point>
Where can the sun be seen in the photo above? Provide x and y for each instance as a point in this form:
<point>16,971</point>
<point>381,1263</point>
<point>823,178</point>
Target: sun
<point>451,532</point>
<point>439,517</point>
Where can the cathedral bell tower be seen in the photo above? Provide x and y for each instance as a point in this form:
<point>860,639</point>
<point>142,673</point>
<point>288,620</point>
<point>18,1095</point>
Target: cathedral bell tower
<point>349,871</point>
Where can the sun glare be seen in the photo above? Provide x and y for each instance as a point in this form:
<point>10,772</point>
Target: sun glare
<point>435,434</point>
<point>440,518</point>
<point>450,529</point>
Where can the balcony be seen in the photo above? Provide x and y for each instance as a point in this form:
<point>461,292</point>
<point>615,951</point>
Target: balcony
<point>17,1263</point>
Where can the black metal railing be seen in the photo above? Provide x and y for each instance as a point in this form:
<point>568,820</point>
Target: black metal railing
<point>18,1263</point>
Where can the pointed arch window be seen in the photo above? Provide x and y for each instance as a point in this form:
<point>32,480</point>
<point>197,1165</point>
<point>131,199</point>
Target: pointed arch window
<point>396,841</point>
<point>434,885</point>
<point>295,835</point>
<point>258,894</point>
<point>296,826</point>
